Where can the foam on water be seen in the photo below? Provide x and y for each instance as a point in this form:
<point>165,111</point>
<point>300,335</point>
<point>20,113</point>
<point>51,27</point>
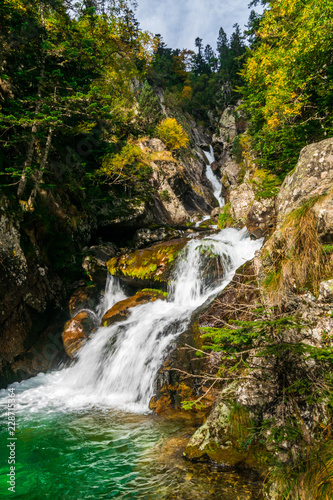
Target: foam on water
<point>118,365</point>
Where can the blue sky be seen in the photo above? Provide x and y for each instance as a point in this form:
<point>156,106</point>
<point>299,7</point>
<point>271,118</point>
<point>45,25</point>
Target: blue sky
<point>181,21</point>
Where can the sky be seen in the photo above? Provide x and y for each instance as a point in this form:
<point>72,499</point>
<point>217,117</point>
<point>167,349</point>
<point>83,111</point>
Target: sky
<point>181,21</point>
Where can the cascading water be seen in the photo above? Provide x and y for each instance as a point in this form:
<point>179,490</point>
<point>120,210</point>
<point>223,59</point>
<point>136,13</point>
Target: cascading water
<point>76,437</point>
<point>117,367</point>
<point>216,183</point>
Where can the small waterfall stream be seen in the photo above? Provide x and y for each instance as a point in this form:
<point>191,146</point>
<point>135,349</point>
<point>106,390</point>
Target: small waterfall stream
<point>117,366</point>
<point>92,418</point>
<point>216,183</point>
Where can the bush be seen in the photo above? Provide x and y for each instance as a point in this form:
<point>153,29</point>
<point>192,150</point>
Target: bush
<point>172,134</point>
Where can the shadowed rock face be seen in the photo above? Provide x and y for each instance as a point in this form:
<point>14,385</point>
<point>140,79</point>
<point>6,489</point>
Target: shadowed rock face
<point>121,310</point>
<point>85,297</point>
<point>150,267</point>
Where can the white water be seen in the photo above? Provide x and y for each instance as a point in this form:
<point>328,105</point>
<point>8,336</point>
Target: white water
<point>216,183</point>
<point>117,367</point>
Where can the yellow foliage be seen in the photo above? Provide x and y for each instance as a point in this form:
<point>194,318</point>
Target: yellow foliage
<point>172,134</point>
<point>187,92</point>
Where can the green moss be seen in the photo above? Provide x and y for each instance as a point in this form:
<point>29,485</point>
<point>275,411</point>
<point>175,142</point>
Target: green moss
<point>328,249</point>
<point>154,291</point>
<point>225,218</point>
<point>153,263</point>
<point>267,184</point>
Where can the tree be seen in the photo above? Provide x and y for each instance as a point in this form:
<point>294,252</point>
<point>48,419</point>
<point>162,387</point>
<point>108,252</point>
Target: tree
<point>149,112</point>
<point>288,81</point>
<point>69,75</point>
<point>172,134</point>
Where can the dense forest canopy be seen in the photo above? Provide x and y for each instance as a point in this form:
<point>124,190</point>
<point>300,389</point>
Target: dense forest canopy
<point>84,73</point>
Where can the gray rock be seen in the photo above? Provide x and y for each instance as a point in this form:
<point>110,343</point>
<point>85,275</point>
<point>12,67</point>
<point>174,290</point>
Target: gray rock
<point>312,177</point>
<point>326,291</point>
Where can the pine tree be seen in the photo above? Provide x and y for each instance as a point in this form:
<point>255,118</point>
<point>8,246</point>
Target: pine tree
<point>149,110</point>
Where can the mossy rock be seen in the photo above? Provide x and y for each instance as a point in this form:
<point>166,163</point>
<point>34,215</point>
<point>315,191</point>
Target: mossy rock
<point>121,310</point>
<point>224,436</point>
<point>149,267</point>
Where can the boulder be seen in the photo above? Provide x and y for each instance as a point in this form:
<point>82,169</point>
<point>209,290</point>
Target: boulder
<point>220,437</point>
<point>121,310</point>
<point>85,297</point>
<point>94,263</point>
<point>76,332</point>
<point>230,174</point>
<point>149,267</point>
<point>241,200</point>
<point>312,178</point>
<point>326,291</point>
<point>261,217</point>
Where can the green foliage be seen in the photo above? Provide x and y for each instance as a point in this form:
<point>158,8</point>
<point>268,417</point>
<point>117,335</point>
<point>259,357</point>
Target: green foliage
<point>288,91</point>
<point>129,168</point>
<point>328,249</point>
<point>66,90</point>
<point>225,218</point>
<point>266,184</point>
<point>172,134</point>
<point>149,112</point>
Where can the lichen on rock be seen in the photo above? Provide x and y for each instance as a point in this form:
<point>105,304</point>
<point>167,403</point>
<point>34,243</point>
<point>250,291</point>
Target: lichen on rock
<point>149,267</point>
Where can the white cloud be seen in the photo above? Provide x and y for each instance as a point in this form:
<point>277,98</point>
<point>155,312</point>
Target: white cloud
<point>181,21</point>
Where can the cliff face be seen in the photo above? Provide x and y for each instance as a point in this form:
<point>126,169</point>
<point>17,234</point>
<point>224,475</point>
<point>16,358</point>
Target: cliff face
<point>277,371</point>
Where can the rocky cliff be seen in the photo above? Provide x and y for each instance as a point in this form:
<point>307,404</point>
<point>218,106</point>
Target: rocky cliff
<point>274,363</point>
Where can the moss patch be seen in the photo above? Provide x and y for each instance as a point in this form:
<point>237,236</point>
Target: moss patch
<point>150,265</point>
<point>225,218</point>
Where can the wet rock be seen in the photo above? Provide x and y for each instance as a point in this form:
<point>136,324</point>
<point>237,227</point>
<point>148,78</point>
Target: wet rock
<point>215,166</point>
<point>76,332</point>
<point>261,218</point>
<point>85,297</point>
<point>146,236</point>
<point>94,263</point>
<point>121,310</point>
<point>150,267</point>
<point>175,380</point>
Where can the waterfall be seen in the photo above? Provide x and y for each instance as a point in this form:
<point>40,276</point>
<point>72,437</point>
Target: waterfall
<point>118,365</point>
<point>216,183</point>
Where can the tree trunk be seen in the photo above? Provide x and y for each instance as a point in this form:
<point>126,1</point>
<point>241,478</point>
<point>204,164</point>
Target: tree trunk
<point>39,174</point>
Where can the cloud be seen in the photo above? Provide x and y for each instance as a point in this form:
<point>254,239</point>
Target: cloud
<point>181,21</point>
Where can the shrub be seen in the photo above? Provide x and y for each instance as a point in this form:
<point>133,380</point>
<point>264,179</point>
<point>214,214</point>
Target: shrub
<point>172,134</point>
